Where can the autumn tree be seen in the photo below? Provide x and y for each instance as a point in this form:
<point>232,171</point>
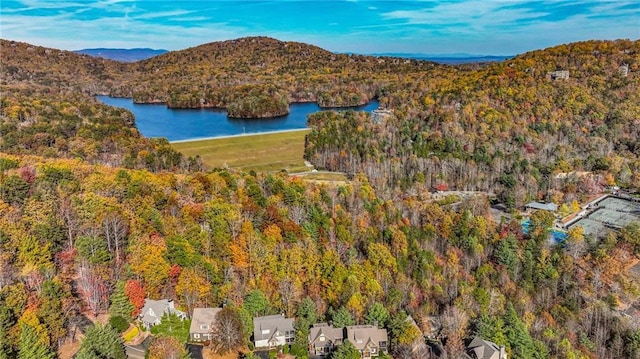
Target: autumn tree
<point>148,260</point>
<point>454,323</point>
<point>167,348</point>
<point>136,294</point>
<point>92,289</point>
<point>193,289</point>
<point>227,331</point>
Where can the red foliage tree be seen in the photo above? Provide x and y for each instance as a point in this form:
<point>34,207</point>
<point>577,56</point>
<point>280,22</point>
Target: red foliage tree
<point>136,294</point>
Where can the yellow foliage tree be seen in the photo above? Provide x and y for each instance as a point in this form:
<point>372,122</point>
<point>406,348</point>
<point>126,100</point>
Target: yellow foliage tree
<point>193,289</point>
<point>147,260</point>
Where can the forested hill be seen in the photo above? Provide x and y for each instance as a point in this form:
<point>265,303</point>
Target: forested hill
<point>251,77</point>
<point>508,128</point>
<point>238,72</point>
<point>46,109</point>
<point>39,68</point>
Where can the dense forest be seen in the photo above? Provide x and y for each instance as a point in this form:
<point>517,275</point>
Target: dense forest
<point>508,128</point>
<point>94,217</point>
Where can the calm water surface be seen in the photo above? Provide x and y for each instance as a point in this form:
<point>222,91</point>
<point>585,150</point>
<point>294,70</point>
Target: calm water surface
<point>184,124</point>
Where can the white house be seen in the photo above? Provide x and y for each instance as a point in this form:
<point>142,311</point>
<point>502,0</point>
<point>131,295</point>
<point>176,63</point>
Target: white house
<point>273,331</point>
<point>153,310</point>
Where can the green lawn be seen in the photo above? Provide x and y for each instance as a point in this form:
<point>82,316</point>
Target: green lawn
<point>262,152</point>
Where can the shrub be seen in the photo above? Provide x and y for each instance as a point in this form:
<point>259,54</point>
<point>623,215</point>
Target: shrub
<point>130,334</point>
<point>119,323</point>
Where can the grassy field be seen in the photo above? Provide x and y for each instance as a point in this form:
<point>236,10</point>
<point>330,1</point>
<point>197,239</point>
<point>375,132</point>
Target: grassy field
<point>261,152</point>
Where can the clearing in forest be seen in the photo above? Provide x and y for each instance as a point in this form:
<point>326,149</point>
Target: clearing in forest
<point>259,152</point>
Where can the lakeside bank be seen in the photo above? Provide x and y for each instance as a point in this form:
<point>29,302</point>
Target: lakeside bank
<point>197,139</point>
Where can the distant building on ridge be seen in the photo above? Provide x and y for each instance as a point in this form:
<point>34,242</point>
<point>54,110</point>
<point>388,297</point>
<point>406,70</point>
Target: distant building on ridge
<point>559,75</point>
<point>379,115</point>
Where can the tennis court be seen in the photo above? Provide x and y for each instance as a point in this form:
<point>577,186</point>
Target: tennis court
<point>610,214</point>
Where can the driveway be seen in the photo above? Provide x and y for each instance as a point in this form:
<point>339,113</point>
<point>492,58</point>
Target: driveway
<point>195,350</point>
<point>134,352</point>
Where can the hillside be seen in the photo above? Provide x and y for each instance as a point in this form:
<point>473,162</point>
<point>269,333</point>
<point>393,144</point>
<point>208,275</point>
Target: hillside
<point>507,128</point>
<point>44,69</point>
<point>240,74</point>
<point>251,77</point>
<point>47,109</point>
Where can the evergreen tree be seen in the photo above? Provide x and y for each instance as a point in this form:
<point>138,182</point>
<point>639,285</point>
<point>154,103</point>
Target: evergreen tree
<point>30,345</point>
<point>377,313</point>
<point>7,320</point>
<point>342,318</point>
<point>120,303</point>
<point>307,310</point>
<point>50,312</point>
<point>172,326</point>
<point>256,303</point>
<point>346,351</point>
<point>520,341</point>
<point>506,253</point>
<point>101,341</point>
<point>306,316</point>
<point>490,328</point>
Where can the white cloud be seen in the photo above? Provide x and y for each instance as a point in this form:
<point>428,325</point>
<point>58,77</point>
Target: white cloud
<point>161,14</point>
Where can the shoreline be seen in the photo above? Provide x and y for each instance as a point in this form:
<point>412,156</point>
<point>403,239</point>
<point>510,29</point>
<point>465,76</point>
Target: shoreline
<point>238,135</point>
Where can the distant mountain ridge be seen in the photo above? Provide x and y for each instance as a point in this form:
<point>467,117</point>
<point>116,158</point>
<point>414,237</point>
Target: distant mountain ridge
<point>124,55</point>
<point>449,59</point>
<point>138,54</point>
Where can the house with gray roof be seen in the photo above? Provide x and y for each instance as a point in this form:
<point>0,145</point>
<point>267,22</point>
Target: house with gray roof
<point>153,310</point>
<point>550,207</point>
<point>323,338</point>
<point>368,339</point>
<point>272,331</point>
<point>484,349</point>
<point>202,322</point>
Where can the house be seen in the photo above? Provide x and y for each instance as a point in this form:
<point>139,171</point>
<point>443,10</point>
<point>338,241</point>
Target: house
<point>201,323</point>
<point>550,207</point>
<point>368,339</point>
<point>484,349</point>
<point>272,331</point>
<point>153,310</point>
<point>380,115</point>
<point>624,70</point>
<point>323,338</point>
<point>558,75</point>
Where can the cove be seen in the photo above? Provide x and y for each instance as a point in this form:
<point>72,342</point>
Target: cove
<point>156,120</point>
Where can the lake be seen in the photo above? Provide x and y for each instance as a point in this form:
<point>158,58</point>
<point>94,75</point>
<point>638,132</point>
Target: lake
<point>183,124</point>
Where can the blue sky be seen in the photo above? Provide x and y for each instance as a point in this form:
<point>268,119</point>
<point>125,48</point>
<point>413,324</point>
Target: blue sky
<point>488,27</point>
